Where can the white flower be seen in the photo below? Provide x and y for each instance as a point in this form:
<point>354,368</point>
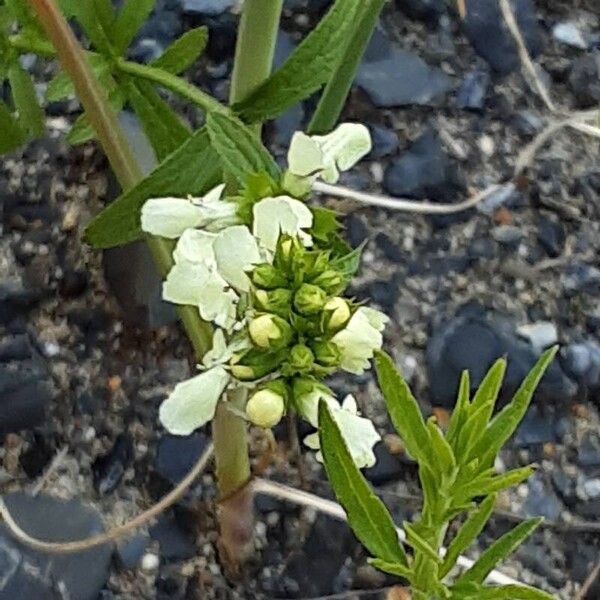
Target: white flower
<point>307,395</point>
<point>170,217</point>
<point>360,338</point>
<point>358,433</point>
<point>282,214</point>
<point>221,352</point>
<point>236,252</point>
<point>327,155</point>
<point>193,402</point>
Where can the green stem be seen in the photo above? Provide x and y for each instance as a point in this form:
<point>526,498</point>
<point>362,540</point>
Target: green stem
<point>114,143</point>
<point>336,91</point>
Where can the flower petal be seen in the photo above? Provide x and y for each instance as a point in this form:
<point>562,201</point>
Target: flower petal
<point>195,246</point>
<point>304,157</point>
<point>360,435</point>
<point>193,402</point>
<point>273,216</point>
<point>169,217</point>
<point>236,252</point>
<point>214,195</point>
<point>185,283</point>
<point>217,303</point>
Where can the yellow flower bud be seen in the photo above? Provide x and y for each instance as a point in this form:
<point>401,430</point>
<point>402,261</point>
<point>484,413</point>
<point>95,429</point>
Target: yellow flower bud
<point>270,332</point>
<point>339,312</point>
<point>265,408</point>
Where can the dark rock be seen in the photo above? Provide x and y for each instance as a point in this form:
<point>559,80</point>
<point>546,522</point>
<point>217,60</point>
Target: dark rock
<point>473,340</point>
<point>27,574</point>
<point>526,123</point>
<point>536,428</point>
<point>35,459</point>
<point>582,363</point>
<point>383,292</point>
<point>541,500</point>
<point>489,36</point>
<point>584,80</point>
<point>387,468</point>
<point>390,249</point>
<point>581,278</point>
<point>131,550</point>
<point>428,11</point>
<point>551,236</point>
<point>508,235</point>
<point>210,8</point>
<point>222,34</point>
<point>16,299</point>
<point>473,90</point>
<point>385,141</point>
<point>176,455</point>
<point>356,230</point>
<point>424,171</point>
<point>15,347</point>
<point>175,542</point>
<point>391,76</point>
<point>589,452</point>
<point>73,284</point>
<point>109,468</point>
<point>484,247</point>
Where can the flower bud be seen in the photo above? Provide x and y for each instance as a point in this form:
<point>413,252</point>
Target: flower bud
<point>338,313</point>
<point>301,358</point>
<point>270,332</point>
<point>327,354</point>
<point>309,299</point>
<point>275,301</point>
<point>256,364</point>
<point>265,408</point>
<point>331,281</point>
<point>268,277</point>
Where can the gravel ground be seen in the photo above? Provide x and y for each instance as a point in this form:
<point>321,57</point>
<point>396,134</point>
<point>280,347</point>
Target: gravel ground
<point>518,273</point>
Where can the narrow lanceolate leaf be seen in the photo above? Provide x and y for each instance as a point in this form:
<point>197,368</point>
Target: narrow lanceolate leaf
<point>307,69</point>
<point>183,52</point>
<point>61,85</point>
<point>129,21</point>
<point>94,17</point>
<point>510,592</point>
<point>403,408</point>
<point>241,151</point>
<point>484,485</point>
<point>419,544</point>
<point>368,517</point>
<point>31,116</point>
<point>467,534</point>
<point>499,550</point>
<point>392,568</point>
<point>504,424</point>
<point>162,126</point>
<point>193,169</point>
<point>442,451</point>
<point>11,135</point>
<point>460,412</point>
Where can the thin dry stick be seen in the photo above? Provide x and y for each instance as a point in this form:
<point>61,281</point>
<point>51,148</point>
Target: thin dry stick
<point>513,27</point>
<point>425,207</point>
<point>54,465</point>
<point>589,582</point>
<point>116,532</point>
<point>283,492</point>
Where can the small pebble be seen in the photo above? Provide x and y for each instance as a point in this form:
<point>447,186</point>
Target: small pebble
<point>150,562</point>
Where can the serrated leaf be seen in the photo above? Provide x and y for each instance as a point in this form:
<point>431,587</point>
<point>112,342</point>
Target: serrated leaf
<point>349,264</point>
<point>367,515</point>
<point>403,409</point>
<point>504,424</point>
<point>162,126</point>
<point>392,568</point>
<point>484,485</point>
<point>239,148</point>
<point>61,85</point>
<point>307,69</point>
<point>460,412</point>
<point>12,136</point>
<point>129,21</point>
<point>193,169</point>
<point>467,534</point>
<point>183,52</point>
<point>31,115</point>
<point>511,592</point>
<point>499,550</point>
<point>325,223</point>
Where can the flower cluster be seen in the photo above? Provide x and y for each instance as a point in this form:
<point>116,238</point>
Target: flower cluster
<point>269,272</point>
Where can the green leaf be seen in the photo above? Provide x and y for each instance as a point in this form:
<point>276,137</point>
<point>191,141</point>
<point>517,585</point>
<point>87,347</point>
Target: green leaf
<point>307,69</point>
<point>349,264</point>
<point>325,223</point>
<point>130,20</point>
<point>433,496</point>
<point>367,515</point>
<point>239,148</point>
<point>31,115</point>
<point>460,412</point>
<point>193,169</point>
<point>511,592</point>
<point>392,568</point>
<point>467,534</point>
<point>162,126</point>
<point>485,484</point>
<point>61,85</point>
<point>442,452</point>
<point>12,136</point>
<point>93,16</point>
<point>499,550</point>
<point>403,408</point>
<point>504,424</point>
<point>183,52</point>
<point>420,545</point>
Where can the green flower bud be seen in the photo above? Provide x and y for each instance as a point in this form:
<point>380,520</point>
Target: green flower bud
<point>327,354</point>
<point>268,277</point>
<point>276,301</point>
<point>255,364</point>
<point>338,313</point>
<point>270,332</point>
<point>265,408</point>
<point>301,358</point>
<point>309,299</point>
<point>331,281</point>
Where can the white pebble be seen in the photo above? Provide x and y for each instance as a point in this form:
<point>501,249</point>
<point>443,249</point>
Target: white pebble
<point>150,562</point>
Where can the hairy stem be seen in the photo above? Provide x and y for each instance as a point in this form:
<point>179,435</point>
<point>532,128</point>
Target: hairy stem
<point>109,133</point>
<point>336,91</point>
